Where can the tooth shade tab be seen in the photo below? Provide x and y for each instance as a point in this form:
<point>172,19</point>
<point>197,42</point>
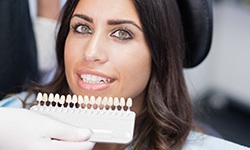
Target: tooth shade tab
<point>92,100</point>
<point>39,97</point>
<point>62,100</point>
<point>86,102</point>
<point>122,102</point>
<point>74,99</point>
<point>116,101</point>
<point>110,101</point>
<point>68,98</point>
<point>107,125</point>
<point>51,97</point>
<point>80,99</point>
<point>105,101</point>
<point>57,98</point>
<point>45,96</point>
<point>129,103</point>
<point>98,100</point>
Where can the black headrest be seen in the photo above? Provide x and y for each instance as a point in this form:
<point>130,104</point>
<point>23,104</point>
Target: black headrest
<point>197,17</point>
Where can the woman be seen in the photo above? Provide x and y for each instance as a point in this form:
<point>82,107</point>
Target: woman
<point>139,60</point>
<point>125,49</point>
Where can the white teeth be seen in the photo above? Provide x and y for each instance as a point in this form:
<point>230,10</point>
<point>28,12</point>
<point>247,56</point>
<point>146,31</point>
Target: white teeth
<point>93,79</point>
<point>91,101</point>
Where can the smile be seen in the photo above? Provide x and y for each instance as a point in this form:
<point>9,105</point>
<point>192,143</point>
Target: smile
<point>94,79</point>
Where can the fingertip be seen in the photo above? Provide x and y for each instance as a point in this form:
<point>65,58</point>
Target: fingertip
<point>85,133</point>
<point>71,133</point>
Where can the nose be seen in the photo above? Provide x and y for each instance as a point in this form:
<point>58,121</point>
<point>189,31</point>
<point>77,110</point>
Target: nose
<point>95,49</point>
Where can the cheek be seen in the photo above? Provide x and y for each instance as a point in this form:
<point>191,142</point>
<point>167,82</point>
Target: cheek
<point>72,52</point>
<point>141,74</point>
<point>69,58</point>
<point>136,71</point>
<point>139,78</point>
<point>69,50</point>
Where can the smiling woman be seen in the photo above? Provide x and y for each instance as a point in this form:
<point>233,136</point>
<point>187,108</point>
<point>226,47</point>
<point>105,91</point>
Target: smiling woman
<point>128,48</point>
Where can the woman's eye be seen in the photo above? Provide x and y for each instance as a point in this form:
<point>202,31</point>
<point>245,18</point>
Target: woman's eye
<point>122,34</point>
<point>83,29</point>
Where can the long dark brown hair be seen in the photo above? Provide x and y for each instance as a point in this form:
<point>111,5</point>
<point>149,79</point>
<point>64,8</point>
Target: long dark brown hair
<point>166,118</point>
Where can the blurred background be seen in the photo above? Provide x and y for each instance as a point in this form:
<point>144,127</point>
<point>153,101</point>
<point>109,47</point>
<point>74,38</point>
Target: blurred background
<point>220,86</point>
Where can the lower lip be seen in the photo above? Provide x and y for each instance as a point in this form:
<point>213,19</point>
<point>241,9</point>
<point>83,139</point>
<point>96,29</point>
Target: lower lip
<point>92,87</point>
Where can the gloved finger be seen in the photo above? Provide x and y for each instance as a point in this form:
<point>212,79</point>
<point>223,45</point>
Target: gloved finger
<point>72,134</point>
<point>65,132</point>
<point>65,145</point>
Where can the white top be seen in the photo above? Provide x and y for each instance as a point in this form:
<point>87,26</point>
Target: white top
<point>195,141</point>
<point>199,141</point>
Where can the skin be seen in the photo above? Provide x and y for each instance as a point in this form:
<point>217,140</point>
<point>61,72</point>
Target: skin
<point>101,43</point>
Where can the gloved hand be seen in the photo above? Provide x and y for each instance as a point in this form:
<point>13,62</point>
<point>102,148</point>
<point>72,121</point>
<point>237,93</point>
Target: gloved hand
<point>22,129</point>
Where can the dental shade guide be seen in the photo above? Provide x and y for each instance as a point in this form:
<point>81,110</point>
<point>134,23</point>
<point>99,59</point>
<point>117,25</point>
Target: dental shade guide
<point>110,119</point>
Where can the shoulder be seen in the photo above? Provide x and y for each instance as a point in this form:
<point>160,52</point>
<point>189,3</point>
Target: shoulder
<point>197,141</point>
<point>15,101</point>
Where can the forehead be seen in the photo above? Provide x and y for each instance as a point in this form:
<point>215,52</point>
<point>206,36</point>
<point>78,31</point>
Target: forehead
<point>108,9</point>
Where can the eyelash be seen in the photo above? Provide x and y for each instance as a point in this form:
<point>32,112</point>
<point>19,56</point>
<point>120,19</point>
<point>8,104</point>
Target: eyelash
<point>125,30</point>
<point>130,34</point>
<point>75,27</point>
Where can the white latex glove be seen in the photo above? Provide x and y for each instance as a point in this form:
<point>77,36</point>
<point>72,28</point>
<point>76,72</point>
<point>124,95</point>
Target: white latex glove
<point>22,129</point>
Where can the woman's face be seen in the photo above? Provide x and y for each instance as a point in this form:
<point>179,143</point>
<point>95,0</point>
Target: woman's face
<point>105,51</point>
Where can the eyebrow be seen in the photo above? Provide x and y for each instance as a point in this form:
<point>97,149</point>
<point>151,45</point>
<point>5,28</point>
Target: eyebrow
<point>118,22</point>
<point>110,22</point>
<point>84,17</point>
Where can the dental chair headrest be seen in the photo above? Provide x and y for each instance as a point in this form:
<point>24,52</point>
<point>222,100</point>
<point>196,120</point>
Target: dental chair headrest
<point>197,20</point>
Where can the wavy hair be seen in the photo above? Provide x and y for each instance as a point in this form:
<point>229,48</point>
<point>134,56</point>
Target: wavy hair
<point>166,118</point>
